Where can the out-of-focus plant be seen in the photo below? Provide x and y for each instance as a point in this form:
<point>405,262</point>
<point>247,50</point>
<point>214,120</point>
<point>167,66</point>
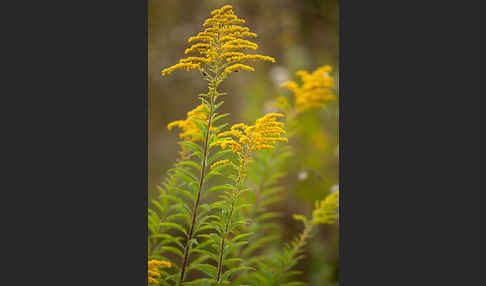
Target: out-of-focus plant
<point>279,271</point>
<point>316,89</point>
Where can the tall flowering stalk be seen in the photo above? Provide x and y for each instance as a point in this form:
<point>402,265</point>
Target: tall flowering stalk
<point>242,140</point>
<point>220,47</point>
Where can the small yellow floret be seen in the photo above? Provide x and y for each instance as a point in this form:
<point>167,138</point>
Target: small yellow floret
<point>218,163</point>
<point>238,67</point>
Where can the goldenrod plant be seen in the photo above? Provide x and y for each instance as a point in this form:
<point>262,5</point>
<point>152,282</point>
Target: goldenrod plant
<point>278,271</point>
<point>211,220</point>
<point>221,47</point>
<point>263,135</point>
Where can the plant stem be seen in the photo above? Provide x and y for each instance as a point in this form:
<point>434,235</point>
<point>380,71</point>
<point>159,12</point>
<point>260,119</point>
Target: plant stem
<point>235,194</point>
<point>302,240</point>
<point>201,183</point>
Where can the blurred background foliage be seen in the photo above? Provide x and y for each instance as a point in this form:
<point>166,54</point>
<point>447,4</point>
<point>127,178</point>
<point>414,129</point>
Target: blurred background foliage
<point>300,34</point>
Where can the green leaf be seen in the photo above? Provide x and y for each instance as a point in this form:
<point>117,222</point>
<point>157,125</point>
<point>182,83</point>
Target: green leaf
<point>184,171</point>
<point>186,193</point>
<point>227,274</point>
<point>186,218</point>
<point>184,177</point>
<point>220,127</point>
<point>216,118</point>
<point>172,225</point>
<point>208,269</point>
<point>172,198</point>
<point>201,127</point>
<point>221,187</point>
<point>254,245</point>
<point>268,215</point>
<point>168,237</point>
<point>172,249</point>
<point>233,246</point>
<point>190,163</point>
<point>240,236</point>
<point>217,156</point>
<point>157,204</point>
<point>232,261</point>
<point>218,105</point>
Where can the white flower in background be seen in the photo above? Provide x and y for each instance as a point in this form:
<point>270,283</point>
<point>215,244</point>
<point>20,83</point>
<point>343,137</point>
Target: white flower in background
<point>334,188</point>
<point>303,175</point>
<point>279,75</point>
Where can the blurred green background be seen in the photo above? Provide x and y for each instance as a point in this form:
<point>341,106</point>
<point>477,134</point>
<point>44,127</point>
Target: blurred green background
<point>300,34</point>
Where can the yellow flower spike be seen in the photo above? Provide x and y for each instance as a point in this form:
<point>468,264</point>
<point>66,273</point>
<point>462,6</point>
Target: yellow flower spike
<point>186,66</point>
<point>218,163</point>
<point>263,135</point>
<point>239,126</point>
<point>203,38</point>
<point>315,89</point>
<point>198,60</point>
<point>238,67</point>
<point>220,44</point>
<point>189,128</point>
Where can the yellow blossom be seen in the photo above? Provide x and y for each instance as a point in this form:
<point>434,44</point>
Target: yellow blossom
<point>220,45</point>
<point>316,89</point>
<point>153,269</point>
<point>264,134</point>
<point>190,130</point>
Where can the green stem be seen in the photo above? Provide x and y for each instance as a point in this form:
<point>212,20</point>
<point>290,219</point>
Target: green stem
<point>233,204</point>
<point>201,183</point>
<point>302,240</point>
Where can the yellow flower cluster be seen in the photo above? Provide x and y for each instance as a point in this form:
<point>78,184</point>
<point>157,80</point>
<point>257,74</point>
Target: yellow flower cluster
<point>263,135</point>
<point>315,89</point>
<point>220,45</point>
<point>325,211</point>
<point>189,128</point>
<point>153,269</point>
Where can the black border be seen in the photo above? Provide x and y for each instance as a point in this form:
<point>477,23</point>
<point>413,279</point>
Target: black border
<point>75,200</point>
